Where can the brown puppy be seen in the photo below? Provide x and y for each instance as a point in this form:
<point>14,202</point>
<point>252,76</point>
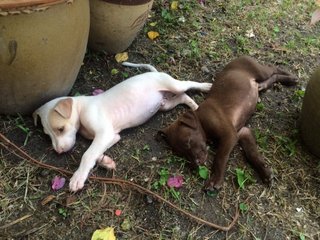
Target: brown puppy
<point>222,117</point>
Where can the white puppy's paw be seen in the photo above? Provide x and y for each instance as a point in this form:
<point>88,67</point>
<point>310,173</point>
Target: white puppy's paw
<point>77,181</point>
<point>206,87</point>
<point>107,162</point>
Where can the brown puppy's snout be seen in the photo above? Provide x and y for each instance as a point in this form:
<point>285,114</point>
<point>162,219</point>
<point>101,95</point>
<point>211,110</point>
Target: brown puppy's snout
<point>199,157</point>
<point>200,161</point>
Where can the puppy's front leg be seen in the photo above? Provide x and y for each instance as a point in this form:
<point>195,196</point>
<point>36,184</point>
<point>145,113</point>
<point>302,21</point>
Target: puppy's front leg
<point>99,145</point>
<point>226,144</point>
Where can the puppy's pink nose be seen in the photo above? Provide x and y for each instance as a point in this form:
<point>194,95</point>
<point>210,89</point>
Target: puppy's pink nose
<point>60,150</point>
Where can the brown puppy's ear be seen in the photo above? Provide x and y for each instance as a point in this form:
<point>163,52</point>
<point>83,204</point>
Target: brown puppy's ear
<point>64,107</point>
<point>189,119</point>
<point>162,134</point>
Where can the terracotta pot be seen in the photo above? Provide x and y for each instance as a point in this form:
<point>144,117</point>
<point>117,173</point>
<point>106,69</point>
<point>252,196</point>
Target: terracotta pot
<point>42,46</point>
<point>310,114</point>
<point>116,23</point>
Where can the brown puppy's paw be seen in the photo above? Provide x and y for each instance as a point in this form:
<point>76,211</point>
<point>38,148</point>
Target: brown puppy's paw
<point>288,80</point>
<point>266,175</point>
<point>212,188</point>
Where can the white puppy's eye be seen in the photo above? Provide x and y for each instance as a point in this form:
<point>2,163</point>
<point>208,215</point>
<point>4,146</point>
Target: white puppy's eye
<point>60,129</point>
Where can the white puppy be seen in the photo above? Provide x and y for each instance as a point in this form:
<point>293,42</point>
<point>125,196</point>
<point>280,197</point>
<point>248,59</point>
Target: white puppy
<point>102,117</point>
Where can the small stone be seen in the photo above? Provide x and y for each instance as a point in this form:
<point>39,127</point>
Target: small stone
<point>149,199</point>
<point>205,69</point>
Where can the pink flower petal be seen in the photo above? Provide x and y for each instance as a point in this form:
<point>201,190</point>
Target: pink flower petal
<point>202,2</point>
<point>58,183</point>
<point>118,212</point>
<point>175,181</point>
<point>97,91</point>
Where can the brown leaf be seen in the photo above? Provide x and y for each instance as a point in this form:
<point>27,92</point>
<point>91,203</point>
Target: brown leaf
<point>47,199</point>
<point>70,199</point>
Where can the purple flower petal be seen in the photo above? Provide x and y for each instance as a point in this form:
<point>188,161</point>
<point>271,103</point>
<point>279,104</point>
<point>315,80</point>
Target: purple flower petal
<point>202,2</point>
<point>97,91</point>
<point>58,183</point>
<point>175,181</point>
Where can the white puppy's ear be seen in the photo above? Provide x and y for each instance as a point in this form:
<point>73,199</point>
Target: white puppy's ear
<point>35,115</point>
<point>64,107</point>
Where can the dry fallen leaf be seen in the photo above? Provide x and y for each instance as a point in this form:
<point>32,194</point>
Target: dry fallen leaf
<point>121,57</point>
<point>250,33</point>
<point>126,225</point>
<point>153,24</point>
<point>174,5</point>
<point>47,199</point>
<point>104,234</point>
<point>152,35</point>
<point>70,199</point>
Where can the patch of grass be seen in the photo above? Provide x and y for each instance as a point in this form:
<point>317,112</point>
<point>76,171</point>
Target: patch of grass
<point>162,184</point>
<point>243,208</point>
<point>287,144</point>
<point>20,123</point>
<point>164,175</point>
<point>114,71</point>
<point>63,212</point>
<point>173,159</point>
<point>195,50</point>
<point>298,95</point>
<point>243,177</point>
<point>261,138</point>
<point>260,106</point>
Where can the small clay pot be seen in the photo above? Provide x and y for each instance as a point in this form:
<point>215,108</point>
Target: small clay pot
<point>310,115</point>
<point>42,46</point>
<point>115,23</point>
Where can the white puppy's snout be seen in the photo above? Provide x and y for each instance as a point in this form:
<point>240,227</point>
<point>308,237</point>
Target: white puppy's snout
<point>57,148</point>
<point>64,148</point>
<point>60,150</point>
<point>61,147</point>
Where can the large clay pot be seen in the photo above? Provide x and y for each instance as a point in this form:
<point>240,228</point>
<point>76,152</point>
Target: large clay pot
<point>116,23</point>
<point>42,46</point>
<point>310,115</point>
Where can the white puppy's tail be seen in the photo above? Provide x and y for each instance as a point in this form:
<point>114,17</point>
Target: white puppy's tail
<point>146,66</point>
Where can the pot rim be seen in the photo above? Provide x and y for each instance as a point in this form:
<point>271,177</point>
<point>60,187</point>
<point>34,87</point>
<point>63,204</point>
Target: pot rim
<point>128,2</point>
<point>16,4</point>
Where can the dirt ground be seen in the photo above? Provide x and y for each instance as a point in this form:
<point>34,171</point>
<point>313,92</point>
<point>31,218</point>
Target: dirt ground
<point>195,41</point>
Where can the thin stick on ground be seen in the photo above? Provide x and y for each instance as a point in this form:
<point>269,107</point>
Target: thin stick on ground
<point>15,221</point>
<point>25,156</point>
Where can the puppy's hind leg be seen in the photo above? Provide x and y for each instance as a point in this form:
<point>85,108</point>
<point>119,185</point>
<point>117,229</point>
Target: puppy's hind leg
<point>249,145</point>
<point>281,76</point>
<point>170,102</point>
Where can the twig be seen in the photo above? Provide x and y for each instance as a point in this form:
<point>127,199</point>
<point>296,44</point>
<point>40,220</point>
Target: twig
<point>15,221</point>
<point>23,155</point>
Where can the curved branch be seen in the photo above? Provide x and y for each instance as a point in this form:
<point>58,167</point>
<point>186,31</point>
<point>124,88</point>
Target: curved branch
<point>25,156</point>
